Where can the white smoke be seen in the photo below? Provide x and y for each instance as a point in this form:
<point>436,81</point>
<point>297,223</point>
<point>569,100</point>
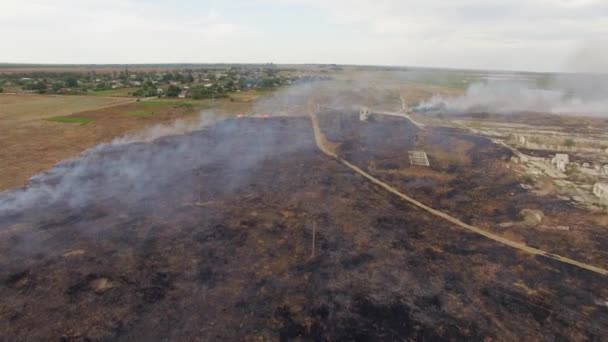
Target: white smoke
<point>107,169</point>
<point>566,95</point>
<point>129,168</point>
<point>178,127</point>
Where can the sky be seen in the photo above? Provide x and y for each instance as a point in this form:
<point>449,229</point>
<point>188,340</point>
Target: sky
<point>534,35</point>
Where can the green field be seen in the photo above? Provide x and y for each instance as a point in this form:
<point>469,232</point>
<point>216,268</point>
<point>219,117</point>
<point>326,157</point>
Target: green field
<point>70,119</point>
<point>120,92</point>
<point>147,108</point>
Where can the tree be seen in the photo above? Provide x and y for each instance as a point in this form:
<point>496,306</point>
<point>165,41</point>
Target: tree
<point>101,86</point>
<point>40,87</point>
<point>173,91</point>
<point>189,78</point>
<point>1,89</point>
<point>71,82</point>
<point>56,86</point>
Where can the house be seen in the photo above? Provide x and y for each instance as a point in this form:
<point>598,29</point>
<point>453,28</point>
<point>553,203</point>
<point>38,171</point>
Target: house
<point>183,94</point>
<point>418,158</point>
<point>364,114</point>
<point>601,191</point>
<point>560,161</point>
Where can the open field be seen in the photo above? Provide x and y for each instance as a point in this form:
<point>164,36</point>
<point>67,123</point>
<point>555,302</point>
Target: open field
<point>220,246</point>
<point>120,92</point>
<point>22,108</point>
<point>469,178</point>
<point>70,119</point>
<point>39,131</point>
<point>244,230</point>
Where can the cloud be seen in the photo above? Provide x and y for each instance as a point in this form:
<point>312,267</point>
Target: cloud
<point>106,31</point>
<point>494,18</point>
<point>111,16</point>
<point>516,34</point>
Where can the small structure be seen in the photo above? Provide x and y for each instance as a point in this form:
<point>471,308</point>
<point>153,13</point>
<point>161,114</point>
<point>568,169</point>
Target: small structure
<point>522,141</point>
<point>364,114</point>
<point>601,191</point>
<point>520,159</point>
<point>560,161</point>
<point>604,170</point>
<point>419,158</point>
<point>183,94</point>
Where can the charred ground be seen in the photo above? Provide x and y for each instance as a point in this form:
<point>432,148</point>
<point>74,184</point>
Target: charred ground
<point>218,246</point>
<point>469,178</point>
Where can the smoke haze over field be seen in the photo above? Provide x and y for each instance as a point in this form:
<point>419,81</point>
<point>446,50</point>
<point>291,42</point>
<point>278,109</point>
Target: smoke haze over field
<point>130,168</point>
<point>582,93</point>
<point>137,165</point>
<point>571,94</point>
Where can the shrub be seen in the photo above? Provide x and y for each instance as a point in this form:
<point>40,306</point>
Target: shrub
<point>569,143</point>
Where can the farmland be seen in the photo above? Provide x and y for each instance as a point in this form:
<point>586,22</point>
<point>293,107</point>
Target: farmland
<point>22,108</point>
<point>41,130</point>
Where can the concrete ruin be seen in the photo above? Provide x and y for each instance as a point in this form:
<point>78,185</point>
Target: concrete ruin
<point>364,114</point>
<point>419,158</point>
<point>561,161</point>
<point>604,171</point>
<point>601,191</point>
<point>521,140</point>
<point>520,159</point>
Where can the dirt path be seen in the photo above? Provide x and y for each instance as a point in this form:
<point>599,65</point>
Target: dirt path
<point>319,140</point>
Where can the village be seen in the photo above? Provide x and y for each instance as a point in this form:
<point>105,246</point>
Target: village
<point>196,82</point>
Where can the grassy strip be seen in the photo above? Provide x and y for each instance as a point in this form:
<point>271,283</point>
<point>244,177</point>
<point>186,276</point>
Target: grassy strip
<point>70,119</point>
<point>121,92</point>
<point>149,107</point>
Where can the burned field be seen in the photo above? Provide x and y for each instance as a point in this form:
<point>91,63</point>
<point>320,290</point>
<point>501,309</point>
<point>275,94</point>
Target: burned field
<point>470,178</point>
<point>210,235</point>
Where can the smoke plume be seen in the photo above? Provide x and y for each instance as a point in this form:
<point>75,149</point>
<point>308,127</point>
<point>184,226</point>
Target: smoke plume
<point>566,94</point>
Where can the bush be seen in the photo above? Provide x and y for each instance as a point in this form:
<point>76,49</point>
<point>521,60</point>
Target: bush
<point>173,91</point>
<point>569,143</point>
<point>71,82</point>
<point>528,179</point>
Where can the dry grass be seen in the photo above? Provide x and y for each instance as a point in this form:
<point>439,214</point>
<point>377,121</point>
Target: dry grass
<point>414,172</point>
<point>457,155</point>
<point>32,143</point>
<point>416,93</point>
<point>19,108</point>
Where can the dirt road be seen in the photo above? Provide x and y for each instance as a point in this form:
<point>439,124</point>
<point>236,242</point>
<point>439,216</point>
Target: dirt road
<point>319,140</point>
